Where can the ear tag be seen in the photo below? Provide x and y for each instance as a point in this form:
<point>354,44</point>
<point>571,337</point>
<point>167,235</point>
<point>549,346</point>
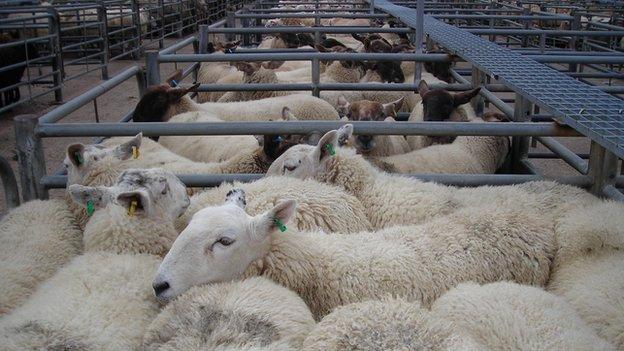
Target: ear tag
<point>279,224</point>
<point>173,83</point>
<point>330,148</point>
<point>78,158</point>
<point>277,139</point>
<point>135,152</point>
<point>133,205</point>
<point>90,208</point>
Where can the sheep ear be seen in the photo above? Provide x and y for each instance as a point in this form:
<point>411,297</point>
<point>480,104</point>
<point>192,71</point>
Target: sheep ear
<point>465,97</point>
<point>175,78</point>
<point>247,67</point>
<point>391,108</point>
<point>236,197</point>
<point>287,115</point>
<point>99,196</point>
<point>75,154</point>
<point>125,150</point>
<point>423,88</point>
<point>136,202</point>
<point>175,94</point>
<point>326,146</point>
<point>277,217</point>
<point>344,134</point>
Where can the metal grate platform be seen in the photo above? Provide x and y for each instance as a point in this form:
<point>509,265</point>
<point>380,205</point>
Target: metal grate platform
<point>590,111</point>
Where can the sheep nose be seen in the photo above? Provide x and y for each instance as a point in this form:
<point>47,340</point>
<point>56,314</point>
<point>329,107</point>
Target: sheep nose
<point>160,287</point>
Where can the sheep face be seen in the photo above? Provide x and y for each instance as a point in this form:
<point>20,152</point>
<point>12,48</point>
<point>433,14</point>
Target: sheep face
<point>305,161</point>
<point>81,160</point>
<point>170,192</point>
<point>365,110</point>
<point>155,105</point>
<point>218,245</point>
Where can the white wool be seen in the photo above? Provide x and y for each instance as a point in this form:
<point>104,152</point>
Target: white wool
<point>207,148</point>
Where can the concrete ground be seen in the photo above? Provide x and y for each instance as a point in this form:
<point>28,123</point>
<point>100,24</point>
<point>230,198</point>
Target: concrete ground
<point>117,102</point>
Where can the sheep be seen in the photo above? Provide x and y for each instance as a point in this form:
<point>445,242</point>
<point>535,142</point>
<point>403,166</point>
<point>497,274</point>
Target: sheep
<point>439,105</point>
<point>588,266</point>
<point>162,102</point>
<point>396,200</point>
<point>10,79</point>
<point>466,154</point>
<point>321,207</point>
<point>253,313</point>
<point>374,145</point>
<point>494,316</point>
<point>482,244</point>
<point>211,72</point>
<point>101,299</point>
<point>36,239</point>
<point>253,73</point>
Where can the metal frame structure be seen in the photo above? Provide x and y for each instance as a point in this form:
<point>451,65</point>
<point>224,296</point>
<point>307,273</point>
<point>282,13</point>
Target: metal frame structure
<point>598,173</point>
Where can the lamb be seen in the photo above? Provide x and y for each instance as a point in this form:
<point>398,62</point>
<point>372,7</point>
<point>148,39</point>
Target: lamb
<point>162,102</point>
<point>588,266</point>
<point>251,314</point>
<point>374,145</point>
<point>36,239</point>
<point>101,299</point>
<point>395,200</point>
<point>510,316</point>
<point>321,207</point>
<point>467,154</point>
<point>439,105</point>
<point>418,263</point>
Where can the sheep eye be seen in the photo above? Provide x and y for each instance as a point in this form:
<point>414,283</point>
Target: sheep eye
<point>225,241</point>
<point>290,168</point>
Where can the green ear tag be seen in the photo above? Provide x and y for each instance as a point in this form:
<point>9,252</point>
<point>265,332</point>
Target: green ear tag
<point>78,158</point>
<point>90,208</point>
<point>279,224</point>
<point>330,148</point>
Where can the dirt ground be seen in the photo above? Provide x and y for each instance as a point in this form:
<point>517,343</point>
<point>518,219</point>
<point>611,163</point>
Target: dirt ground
<point>117,102</point>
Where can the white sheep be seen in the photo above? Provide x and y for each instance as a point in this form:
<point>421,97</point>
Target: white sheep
<point>162,102</point>
<point>466,154</point>
<point>396,200</point>
<point>103,300</point>
<point>36,239</point>
<point>211,72</point>
<point>495,316</point>
<point>253,313</point>
<point>588,267</point>
<point>321,207</point>
<point>482,244</point>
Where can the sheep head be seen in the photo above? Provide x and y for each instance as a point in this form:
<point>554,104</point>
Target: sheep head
<point>225,47</point>
<point>218,245</point>
<point>306,161</point>
<point>81,160</point>
<point>440,70</point>
<point>365,110</point>
<point>157,102</point>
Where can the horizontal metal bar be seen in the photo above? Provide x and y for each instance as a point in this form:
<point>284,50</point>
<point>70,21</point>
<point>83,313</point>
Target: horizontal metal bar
<point>335,30</point>
<point>304,56</point>
<point>304,127</point>
<point>310,15</point>
<point>613,193</point>
<point>615,59</point>
<point>508,17</point>
<point>177,46</point>
<point>85,98</point>
<point>580,33</point>
<point>568,156</point>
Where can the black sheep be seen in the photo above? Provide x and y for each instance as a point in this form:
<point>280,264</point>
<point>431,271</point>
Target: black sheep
<point>10,56</point>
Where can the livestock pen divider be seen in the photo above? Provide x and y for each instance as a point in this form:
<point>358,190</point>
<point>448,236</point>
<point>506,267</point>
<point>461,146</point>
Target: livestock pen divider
<point>598,174</point>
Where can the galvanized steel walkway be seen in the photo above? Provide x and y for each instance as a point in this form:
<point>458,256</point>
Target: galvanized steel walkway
<point>590,111</point>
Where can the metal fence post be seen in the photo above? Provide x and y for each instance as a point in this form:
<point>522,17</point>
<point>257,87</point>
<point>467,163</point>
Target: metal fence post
<point>31,160</point>
<point>161,40</point>
<point>137,32</point>
<point>478,79</point>
<point>602,168</point>
<point>141,81</point>
<point>575,25</point>
<point>230,22</point>
<point>520,145</point>
<point>204,38</point>
<point>11,193</point>
<point>245,24</point>
<point>102,19</point>
<point>316,76</point>
<point>153,67</point>
<point>55,52</point>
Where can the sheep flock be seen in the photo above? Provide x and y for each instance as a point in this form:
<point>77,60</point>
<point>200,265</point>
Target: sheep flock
<point>334,248</point>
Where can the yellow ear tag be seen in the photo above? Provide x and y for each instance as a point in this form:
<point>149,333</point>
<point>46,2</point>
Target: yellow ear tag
<point>135,152</point>
<point>133,205</point>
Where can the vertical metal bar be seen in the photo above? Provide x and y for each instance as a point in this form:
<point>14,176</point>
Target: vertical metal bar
<point>230,23</point>
<point>153,68</point>
<point>245,24</point>
<point>316,74</point>
<point>30,156</point>
<point>161,39</point>
<point>11,193</point>
<point>317,23</point>
<point>137,32</point>
<point>602,168</point>
<point>576,25</point>
<point>520,145</point>
<point>55,51</point>
<point>102,18</point>
<point>478,79</point>
<point>371,10</point>
<point>418,38</point>
<point>141,81</point>
<point>204,38</point>
<point>527,25</point>
<point>542,44</point>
